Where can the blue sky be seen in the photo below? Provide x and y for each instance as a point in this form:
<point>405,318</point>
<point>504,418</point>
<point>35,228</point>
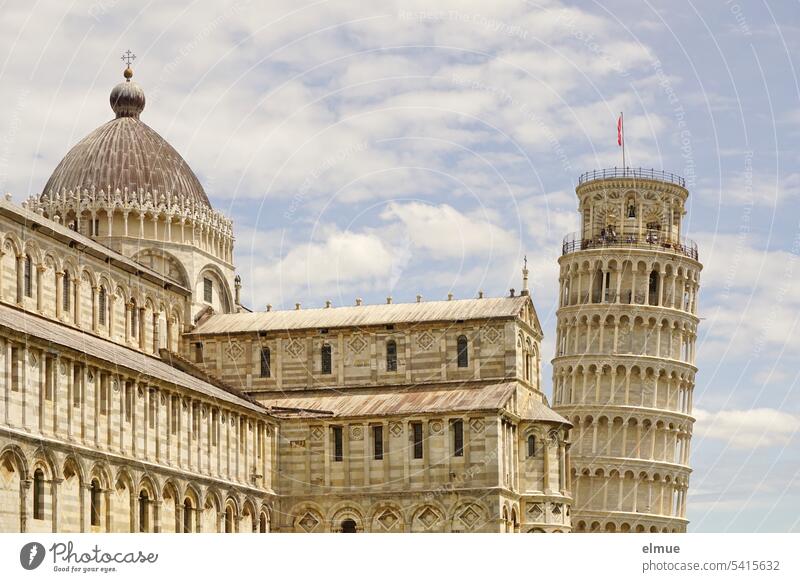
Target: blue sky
<point>373,149</point>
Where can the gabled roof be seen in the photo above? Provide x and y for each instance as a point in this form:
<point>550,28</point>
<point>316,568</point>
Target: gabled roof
<point>365,315</point>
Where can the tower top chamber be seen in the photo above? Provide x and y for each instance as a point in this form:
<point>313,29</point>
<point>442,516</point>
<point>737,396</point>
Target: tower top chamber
<point>631,208</point>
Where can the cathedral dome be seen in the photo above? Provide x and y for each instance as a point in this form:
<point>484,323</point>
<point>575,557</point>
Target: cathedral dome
<point>126,153</point>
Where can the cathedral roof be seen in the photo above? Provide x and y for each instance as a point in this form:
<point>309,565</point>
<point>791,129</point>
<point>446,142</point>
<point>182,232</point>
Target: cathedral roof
<point>364,315</point>
<point>436,398</point>
<point>125,358</point>
<point>126,153</point>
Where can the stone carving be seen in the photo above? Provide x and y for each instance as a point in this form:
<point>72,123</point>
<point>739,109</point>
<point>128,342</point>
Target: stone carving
<point>309,522</point>
<point>295,348</point>
<point>388,519</point>
<point>234,350</point>
<point>358,344</point>
<point>492,335</point>
<point>425,340</point>
<point>469,516</point>
<point>429,517</point>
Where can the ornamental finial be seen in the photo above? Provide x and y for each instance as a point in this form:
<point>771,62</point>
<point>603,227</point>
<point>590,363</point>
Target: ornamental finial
<point>128,57</point>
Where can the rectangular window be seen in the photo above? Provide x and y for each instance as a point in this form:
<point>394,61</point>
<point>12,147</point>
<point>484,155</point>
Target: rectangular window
<point>101,306</point>
<point>49,377</point>
<point>214,427</point>
<point>458,438</point>
<point>173,418</point>
<point>134,321</point>
<point>531,446</point>
<point>208,290</point>
<point>391,356</point>
<point>77,384</point>
<point>265,370</point>
<point>66,298</point>
<point>15,370</point>
<point>198,352</point>
<point>377,442</point>
<point>195,421</point>
<point>327,359</point>
<point>151,413</point>
<point>338,444</point>
<point>28,276</point>
<point>416,433</point>
<point>103,389</point>
<point>128,400</point>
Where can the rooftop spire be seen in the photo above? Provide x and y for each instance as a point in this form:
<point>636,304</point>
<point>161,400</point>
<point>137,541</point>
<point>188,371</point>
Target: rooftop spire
<point>525,290</point>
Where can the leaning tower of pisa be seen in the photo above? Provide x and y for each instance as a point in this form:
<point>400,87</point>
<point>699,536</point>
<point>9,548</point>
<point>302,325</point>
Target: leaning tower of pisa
<point>624,367</point>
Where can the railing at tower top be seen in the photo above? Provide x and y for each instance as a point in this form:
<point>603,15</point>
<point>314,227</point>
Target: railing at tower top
<point>651,240</point>
<point>643,173</point>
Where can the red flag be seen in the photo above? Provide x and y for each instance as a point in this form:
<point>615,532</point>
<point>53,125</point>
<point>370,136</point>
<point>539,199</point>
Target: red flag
<point>619,130</point>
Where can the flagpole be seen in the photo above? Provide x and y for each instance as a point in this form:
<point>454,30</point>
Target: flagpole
<point>622,125</point>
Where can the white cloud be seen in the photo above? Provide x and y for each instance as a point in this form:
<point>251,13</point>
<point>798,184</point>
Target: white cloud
<point>444,232</point>
<point>339,263</point>
<point>747,429</point>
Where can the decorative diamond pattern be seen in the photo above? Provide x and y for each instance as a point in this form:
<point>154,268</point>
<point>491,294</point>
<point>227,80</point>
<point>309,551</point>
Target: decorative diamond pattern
<point>358,344</point>
<point>396,429</point>
<point>476,424</point>
<point>425,340</point>
<point>469,517</point>
<point>309,522</point>
<point>295,348</point>
<point>388,519</point>
<point>317,433</point>
<point>234,351</point>
<point>492,335</point>
<point>429,518</point>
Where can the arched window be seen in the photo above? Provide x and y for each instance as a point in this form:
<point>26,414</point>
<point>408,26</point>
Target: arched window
<point>101,306</point>
<point>95,502</point>
<point>38,494</point>
<point>458,438</point>
<point>653,288</point>
<point>265,369</point>
<point>66,297</point>
<point>28,277</point>
<point>134,318</point>
<point>463,352</point>
<point>631,209</point>
<point>262,523</point>
<point>349,526</point>
<point>327,359</point>
<point>527,366</point>
<point>229,519</point>
<point>187,516</point>
<point>531,446</point>
<point>391,356</point>
<point>144,515</point>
